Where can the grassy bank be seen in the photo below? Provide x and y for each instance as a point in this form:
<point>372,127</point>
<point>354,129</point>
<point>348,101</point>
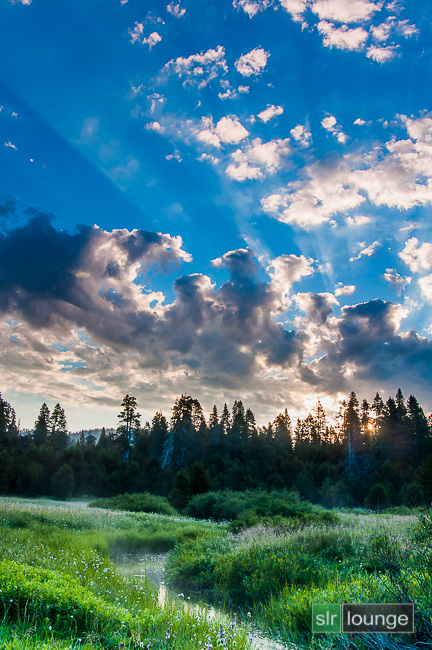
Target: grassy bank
<point>275,576</point>
<point>60,588</point>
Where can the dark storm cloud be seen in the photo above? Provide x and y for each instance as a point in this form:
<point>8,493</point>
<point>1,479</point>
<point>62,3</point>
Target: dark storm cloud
<point>58,283</point>
<point>368,338</point>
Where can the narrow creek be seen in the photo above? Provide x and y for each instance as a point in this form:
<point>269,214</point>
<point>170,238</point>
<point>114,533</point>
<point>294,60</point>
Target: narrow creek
<point>152,566</point>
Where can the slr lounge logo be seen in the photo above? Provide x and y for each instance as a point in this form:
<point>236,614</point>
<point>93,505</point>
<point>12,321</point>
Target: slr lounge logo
<point>373,618</point>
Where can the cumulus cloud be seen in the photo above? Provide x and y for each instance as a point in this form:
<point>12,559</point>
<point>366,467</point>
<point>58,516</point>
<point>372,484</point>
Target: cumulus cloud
<point>359,122</point>
<point>199,68</point>
<point>366,251</point>
<point>342,289</point>
<point>302,135</point>
<point>397,175</point>
<point>228,130</point>
<point>399,283</point>
<point>251,7</point>
<point>10,145</point>
<point>418,257</point>
<point>136,34</point>
<point>176,10</point>
<point>329,123</point>
<point>154,126</point>
<point>425,284</point>
<point>258,158</point>
<point>345,11</point>
<point>284,271</point>
<point>270,112</point>
<point>78,318</point>
<point>342,38</point>
<point>295,7</point>
<point>381,54</point>
<point>174,156</point>
<point>231,131</point>
<point>357,220</point>
<point>252,63</point>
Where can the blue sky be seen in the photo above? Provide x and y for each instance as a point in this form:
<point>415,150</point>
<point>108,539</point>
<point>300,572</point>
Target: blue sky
<point>226,199</point>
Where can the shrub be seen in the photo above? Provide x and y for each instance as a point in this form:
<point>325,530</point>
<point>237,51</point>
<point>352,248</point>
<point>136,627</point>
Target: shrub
<point>144,502</point>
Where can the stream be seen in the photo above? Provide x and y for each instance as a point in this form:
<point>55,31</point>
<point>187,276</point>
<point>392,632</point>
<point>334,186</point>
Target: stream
<point>152,566</point>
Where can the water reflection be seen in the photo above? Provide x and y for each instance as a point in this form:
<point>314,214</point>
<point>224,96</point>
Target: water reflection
<point>152,567</point>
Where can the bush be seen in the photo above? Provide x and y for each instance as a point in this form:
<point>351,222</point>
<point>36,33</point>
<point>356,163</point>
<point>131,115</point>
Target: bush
<point>246,509</point>
<point>144,502</point>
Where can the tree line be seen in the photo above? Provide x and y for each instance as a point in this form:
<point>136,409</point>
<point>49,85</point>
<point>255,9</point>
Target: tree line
<point>374,455</point>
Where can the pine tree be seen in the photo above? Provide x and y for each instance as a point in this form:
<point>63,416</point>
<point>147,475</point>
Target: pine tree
<point>158,434</point>
<point>351,428</point>
<point>320,422</point>
<point>58,438</point>
<point>42,426</point>
<point>225,420</point>
<point>251,426</point>
<point>130,422</point>
<point>378,409</point>
<point>282,428</point>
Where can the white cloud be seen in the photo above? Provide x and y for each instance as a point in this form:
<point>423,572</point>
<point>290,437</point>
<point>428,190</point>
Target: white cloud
<point>137,36</point>
<point>258,158</point>
<point>359,122</point>
<point>284,271</point>
<point>418,257</point>
<point>243,89</point>
<point>397,175</point>
<point>200,68</point>
<point>345,11</point>
<point>403,27</point>
<point>398,282</point>
<point>366,251</point>
<point>381,54</point>
<point>251,7</point>
<point>207,157</point>
<point>23,2</point>
<point>154,126</point>
<point>252,63</point>
<point>425,284</point>
<point>381,32</point>
<point>231,131</point>
<point>301,134</point>
<point>295,7</point>
<point>174,156</point>
<point>314,202</point>
<point>342,38</point>
<point>270,112</point>
<point>357,220</point>
<point>152,40</point>
<point>243,171</point>
<point>10,145</point>
<point>176,9</point>
<point>329,123</point>
<point>228,131</point>
<point>209,137</point>
<point>342,289</point>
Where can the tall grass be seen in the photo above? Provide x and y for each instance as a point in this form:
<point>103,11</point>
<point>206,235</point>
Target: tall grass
<point>59,587</point>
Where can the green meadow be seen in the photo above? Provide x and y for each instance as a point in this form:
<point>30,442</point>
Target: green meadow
<point>62,585</point>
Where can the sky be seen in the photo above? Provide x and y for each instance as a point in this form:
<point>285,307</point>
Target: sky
<point>230,200</point>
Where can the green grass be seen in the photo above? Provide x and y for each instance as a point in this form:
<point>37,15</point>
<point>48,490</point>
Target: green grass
<point>276,576</point>
<point>60,588</point>
<point>144,502</point>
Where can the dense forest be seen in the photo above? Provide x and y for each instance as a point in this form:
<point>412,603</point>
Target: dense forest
<point>376,455</point>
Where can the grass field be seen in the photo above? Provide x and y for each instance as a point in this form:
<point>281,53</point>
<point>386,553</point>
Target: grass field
<point>61,589</point>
